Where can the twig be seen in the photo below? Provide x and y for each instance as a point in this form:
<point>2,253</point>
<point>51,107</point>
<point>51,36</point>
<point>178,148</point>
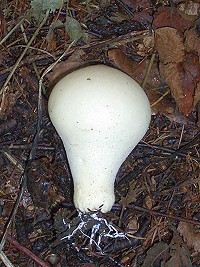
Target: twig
<point>148,71</point>
<point>157,213</point>
<point>33,149</point>
<point>26,251</point>
<point>160,98</point>
<point>32,152</point>
<point>165,149</point>
<point>11,31</point>
<point>23,54</point>
<point>5,260</point>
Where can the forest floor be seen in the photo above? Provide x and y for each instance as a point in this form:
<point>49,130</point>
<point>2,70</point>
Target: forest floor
<point>155,220</point>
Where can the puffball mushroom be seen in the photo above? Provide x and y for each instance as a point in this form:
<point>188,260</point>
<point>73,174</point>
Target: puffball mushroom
<point>100,114</point>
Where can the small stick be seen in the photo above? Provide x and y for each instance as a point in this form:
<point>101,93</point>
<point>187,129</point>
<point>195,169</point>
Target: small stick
<point>26,251</point>
<point>148,71</point>
<point>157,213</point>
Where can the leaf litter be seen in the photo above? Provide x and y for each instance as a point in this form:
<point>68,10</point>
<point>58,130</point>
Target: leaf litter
<point>155,218</point>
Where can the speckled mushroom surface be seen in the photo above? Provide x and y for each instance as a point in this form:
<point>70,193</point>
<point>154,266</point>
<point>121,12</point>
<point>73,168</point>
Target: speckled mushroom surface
<point>100,114</point>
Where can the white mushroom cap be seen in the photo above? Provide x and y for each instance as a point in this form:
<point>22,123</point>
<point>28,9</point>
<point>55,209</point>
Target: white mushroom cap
<point>101,114</point>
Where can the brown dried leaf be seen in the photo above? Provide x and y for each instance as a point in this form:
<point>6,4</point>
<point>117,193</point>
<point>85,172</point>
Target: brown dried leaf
<point>180,256</point>
<point>61,68</point>
<point>146,46</point>
<point>197,94</point>
<point>190,235</point>
<point>148,202</point>
<point>189,8</point>
<point>154,253</point>
<point>192,41</point>
<point>169,45</point>
<point>182,79</point>
<point>169,18</point>
<point>136,70</point>
<point>130,196</point>
<point>172,75</point>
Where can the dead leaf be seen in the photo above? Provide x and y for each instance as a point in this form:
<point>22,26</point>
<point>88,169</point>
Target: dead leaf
<point>190,235</point>
<point>192,41</point>
<point>146,46</point>
<point>180,71</point>
<point>51,37</point>
<point>148,202</point>
<point>74,61</point>
<point>154,253</point>
<point>169,45</point>
<point>173,74</point>
<point>170,18</point>
<point>182,79</point>
<point>180,255</point>
<point>130,196</point>
<point>132,226</point>
<point>189,8</point>
<point>197,94</point>
<point>135,69</point>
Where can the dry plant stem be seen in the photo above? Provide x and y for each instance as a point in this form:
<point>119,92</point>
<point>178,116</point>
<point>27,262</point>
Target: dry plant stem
<point>106,44</point>
<point>148,71</point>
<point>11,31</point>
<point>32,152</point>
<point>157,213</point>
<point>160,98</point>
<point>12,159</point>
<point>121,3</point>
<point>5,260</point>
<point>26,251</point>
<point>119,40</point>
<point>33,62</point>
<point>40,94</point>
<point>23,54</point>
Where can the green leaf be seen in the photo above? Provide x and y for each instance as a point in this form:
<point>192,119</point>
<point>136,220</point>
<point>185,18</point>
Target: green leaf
<point>38,7</point>
<point>73,28</point>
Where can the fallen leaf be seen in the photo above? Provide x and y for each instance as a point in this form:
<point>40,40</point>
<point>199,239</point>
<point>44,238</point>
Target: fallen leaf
<point>197,94</point>
<point>180,255</point>
<point>39,7</point>
<point>164,105</point>
<point>190,235</point>
<point>192,41</point>
<point>146,46</point>
<point>73,28</point>
<point>189,8</point>
<point>169,45</point>
<point>168,17</point>
<point>51,37</point>
<point>130,196</point>
<point>73,62</point>
<point>181,71</point>
<point>157,251</point>
<point>173,74</point>
<point>135,69</point>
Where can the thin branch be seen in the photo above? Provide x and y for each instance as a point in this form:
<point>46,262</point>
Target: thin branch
<point>26,251</point>
<point>148,71</point>
<point>11,31</point>
<point>23,54</point>
<point>32,152</point>
<point>5,260</point>
<point>165,215</point>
